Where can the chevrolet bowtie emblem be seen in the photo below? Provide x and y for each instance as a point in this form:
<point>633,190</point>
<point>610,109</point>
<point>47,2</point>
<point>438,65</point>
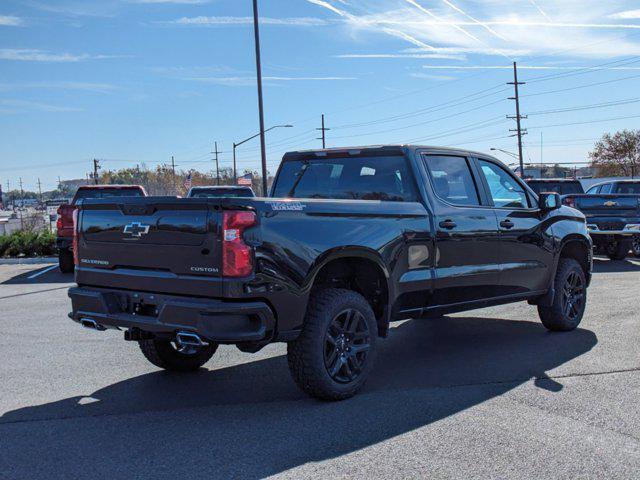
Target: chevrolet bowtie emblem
<point>136,229</point>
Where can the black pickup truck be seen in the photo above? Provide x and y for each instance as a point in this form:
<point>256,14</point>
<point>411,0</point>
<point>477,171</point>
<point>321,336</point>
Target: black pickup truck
<point>350,240</point>
<point>612,210</point>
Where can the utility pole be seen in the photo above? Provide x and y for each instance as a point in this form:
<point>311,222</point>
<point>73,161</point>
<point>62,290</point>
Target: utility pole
<point>322,129</point>
<point>39,190</point>
<point>216,152</point>
<point>235,176</point>
<point>519,131</point>
<point>96,166</point>
<point>173,178</point>
<point>263,153</point>
<point>22,206</point>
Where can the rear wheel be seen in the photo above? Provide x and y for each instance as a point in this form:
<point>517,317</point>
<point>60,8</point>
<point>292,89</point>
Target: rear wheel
<point>570,298</point>
<point>172,356</point>
<point>334,354</point>
<point>65,261</point>
<point>618,250</point>
<point>635,246</point>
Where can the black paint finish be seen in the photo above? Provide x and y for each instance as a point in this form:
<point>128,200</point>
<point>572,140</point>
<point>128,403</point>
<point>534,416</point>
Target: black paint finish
<point>432,256</point>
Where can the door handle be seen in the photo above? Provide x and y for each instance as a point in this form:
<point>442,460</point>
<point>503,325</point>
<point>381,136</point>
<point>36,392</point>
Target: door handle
<point>506,224</point>
<point>448,224</point>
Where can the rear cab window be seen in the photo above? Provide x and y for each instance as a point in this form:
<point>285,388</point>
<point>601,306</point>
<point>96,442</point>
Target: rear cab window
<point>221,192</point>
<point>106,193</point>
<point>452,179</point>
<point>563,188</point>
<point>385,178</point>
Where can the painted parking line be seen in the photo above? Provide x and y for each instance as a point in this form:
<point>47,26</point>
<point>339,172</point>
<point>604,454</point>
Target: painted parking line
<point>37,274</point>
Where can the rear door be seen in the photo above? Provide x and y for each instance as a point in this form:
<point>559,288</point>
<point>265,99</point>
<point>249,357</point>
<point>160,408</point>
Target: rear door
<point>526,245</point>
<point>467,239</point>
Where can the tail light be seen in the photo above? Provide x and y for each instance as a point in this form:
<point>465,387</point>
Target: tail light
<point>237,257</point>
<point>75,237</point>
<point>570,202</point>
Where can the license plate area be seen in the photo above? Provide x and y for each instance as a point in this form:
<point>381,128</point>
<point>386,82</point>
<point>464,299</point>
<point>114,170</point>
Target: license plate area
<point>146,307</point>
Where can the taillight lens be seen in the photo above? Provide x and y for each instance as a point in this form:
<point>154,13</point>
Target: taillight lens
<point>75,237</point>
<point>237,257</point>
<point>59,223</point>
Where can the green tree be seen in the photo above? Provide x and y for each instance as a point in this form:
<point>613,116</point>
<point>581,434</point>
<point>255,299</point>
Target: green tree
<point>617,154</point>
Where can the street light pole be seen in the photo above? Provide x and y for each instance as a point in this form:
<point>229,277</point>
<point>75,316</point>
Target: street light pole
<point>256,32</point>
<point>264,164</point>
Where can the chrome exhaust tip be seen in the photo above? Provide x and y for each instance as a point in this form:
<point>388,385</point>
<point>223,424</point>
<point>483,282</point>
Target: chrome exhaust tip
<point>190,339</point>
<point>92,324</point>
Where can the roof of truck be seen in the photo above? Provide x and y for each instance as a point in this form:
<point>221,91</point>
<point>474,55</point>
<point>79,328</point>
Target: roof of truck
<point>392,148</point>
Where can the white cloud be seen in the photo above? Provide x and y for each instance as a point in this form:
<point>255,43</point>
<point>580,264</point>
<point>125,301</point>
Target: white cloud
<point>10,21</point>
<point>493,27</point>
<point>441,56</point>
<point>211,21</point>
<point>20,106</point>
<point>238,81</point>
<point>178,2</point>
<point>626,15</point>
<point>61,85</point>
<point>428,76</point>
<point>35,55</point>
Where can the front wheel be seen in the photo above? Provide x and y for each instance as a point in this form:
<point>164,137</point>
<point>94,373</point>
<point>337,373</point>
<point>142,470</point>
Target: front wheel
<point>172,356</point>
<point>618,250</point>
<point>570,298</point>
<point>635,246</point>
<point>334,354</point>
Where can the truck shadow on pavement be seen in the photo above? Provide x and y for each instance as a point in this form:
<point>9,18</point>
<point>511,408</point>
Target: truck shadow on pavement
<point>604,265</point>
<point>51,276</point>
<point>250,421</point>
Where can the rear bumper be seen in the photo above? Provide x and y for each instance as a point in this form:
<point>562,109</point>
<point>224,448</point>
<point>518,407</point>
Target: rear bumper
<point>214,320</point>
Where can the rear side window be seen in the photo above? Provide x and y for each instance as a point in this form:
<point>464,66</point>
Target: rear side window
<point>627,188</point>
<point>452,179</point>
<point>594,190</point>
<point>505,190</point>
<point>356,178</point>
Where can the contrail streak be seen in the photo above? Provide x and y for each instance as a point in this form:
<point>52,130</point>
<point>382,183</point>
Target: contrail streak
<point>428,12</point>
<point>484,25</point>
<point>542,12</point>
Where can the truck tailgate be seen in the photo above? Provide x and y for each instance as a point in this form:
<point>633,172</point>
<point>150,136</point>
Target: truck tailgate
<point>149,243</point>
<point>605,204</point>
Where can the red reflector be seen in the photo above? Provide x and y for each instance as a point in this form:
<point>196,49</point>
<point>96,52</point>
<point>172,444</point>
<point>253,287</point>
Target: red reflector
<point>75,237</point>
<point>237,257</point>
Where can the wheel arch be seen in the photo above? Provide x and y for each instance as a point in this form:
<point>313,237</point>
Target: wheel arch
<point>359,269</point>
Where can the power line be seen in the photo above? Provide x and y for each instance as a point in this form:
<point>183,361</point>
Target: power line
<point>585,122</point>
<point>548,92</point>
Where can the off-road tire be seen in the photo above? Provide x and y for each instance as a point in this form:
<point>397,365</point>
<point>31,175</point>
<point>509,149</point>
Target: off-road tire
<point>635,246</point>
<point>162,354</point>
<point>307,355</point>
<point>619,251</point>
<point>555,317</point>
<point>65,261</point>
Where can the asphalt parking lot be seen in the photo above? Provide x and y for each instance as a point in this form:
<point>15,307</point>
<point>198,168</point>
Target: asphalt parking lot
<point>485,394</point>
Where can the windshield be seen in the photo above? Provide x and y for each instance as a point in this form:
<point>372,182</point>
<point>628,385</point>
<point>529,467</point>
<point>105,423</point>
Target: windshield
<point>563,188</point>
<point>356,178</point>
<point>221,192</point>
<point>627,188</point>
<point>107,193</point>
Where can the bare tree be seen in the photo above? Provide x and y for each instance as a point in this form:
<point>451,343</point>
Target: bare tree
<point>617,154</point>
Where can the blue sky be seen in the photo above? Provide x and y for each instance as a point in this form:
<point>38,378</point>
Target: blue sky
<point>136,81</point>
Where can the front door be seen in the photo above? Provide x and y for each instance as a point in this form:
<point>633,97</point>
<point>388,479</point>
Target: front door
<point>526,244</point>
<point>467,263</point>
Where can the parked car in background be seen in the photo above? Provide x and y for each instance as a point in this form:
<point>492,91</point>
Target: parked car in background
<point>65,223</point>
<point>220,191</point>
<point>563,186</point>
<point>350,240</point>
<point>616,186</point>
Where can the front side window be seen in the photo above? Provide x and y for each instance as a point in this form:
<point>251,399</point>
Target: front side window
<point>358,178</point>
<point>505,191</point>
<point>452,179</point>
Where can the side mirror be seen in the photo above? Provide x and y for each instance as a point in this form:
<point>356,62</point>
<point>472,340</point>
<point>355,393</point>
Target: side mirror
<point>549,201</point>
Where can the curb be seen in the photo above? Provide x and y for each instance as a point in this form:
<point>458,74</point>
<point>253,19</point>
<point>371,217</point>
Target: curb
<point>27,261</point>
